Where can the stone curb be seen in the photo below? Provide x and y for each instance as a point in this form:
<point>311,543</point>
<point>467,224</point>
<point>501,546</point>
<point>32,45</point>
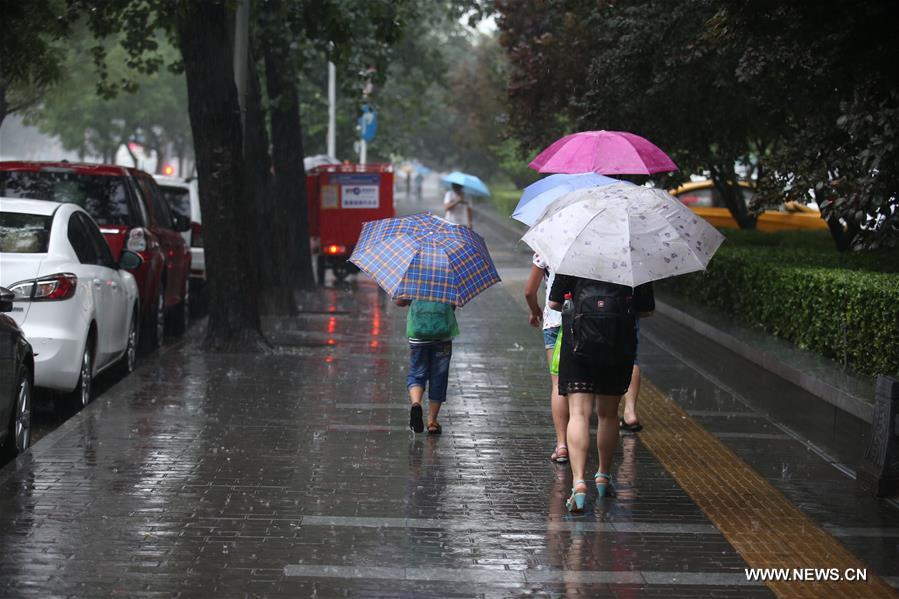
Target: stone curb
<point>848,402</point>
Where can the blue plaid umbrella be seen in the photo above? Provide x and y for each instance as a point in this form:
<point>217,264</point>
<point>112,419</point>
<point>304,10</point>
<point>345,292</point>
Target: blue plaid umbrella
<point>424,257</point>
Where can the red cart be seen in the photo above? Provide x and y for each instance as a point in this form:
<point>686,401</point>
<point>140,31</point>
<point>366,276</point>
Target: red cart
<point>341,198</point>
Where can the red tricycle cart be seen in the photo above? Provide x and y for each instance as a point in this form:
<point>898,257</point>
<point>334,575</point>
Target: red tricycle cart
<point>341,197</point>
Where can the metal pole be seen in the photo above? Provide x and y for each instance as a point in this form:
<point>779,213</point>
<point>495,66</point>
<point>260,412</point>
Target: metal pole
<point>241,48</point>
<point>363,153</point>
<point>332,109</point>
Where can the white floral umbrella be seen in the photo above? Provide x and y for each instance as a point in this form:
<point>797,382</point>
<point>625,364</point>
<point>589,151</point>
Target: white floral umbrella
<point>622,234</point>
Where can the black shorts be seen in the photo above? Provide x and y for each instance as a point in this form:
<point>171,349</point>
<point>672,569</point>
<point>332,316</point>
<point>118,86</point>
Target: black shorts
<point>578,374</point>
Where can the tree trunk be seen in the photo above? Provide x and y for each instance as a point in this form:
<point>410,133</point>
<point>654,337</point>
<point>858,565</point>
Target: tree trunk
<point>275,291</point>
<point>157,145</point>
<point>127,145</point>
<point>842,236</point>
<point>228,221</point>
<point>725,180</point>
<point>287,148</point>
<point>3,104</point>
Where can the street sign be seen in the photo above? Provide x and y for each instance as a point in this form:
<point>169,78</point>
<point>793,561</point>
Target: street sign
<point>368,123</point>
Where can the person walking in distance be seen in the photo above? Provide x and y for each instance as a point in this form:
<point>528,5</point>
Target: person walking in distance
<point>552,323</point>
<point>456,207</point>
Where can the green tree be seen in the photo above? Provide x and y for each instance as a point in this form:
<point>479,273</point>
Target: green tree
<point>201,31</point>
<point>634,65</point>
<point>351,31</point>
<point>826,73</point>
<point>476,101</point>
<point>412,86</point>
<point>153,112</point>
<point>31,49</point>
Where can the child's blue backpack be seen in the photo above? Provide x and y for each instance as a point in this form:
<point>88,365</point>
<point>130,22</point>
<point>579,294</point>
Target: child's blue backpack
<point>431,320</point>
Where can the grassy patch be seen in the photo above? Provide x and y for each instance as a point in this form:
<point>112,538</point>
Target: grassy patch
<point>504,197</point>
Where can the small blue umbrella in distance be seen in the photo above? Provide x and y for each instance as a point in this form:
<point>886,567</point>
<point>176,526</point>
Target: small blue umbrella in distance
<point>470,183</point>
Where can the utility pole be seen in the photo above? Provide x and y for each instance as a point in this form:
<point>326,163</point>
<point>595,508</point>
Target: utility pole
<point>332,110</point>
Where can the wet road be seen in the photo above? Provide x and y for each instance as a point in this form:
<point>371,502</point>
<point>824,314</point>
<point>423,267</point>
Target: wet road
<point>295,475</point>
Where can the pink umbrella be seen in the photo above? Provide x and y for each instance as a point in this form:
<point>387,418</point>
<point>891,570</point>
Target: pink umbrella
<point>603,152</point>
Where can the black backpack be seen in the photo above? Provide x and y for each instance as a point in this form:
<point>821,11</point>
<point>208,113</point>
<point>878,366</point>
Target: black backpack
<point>600,322</point>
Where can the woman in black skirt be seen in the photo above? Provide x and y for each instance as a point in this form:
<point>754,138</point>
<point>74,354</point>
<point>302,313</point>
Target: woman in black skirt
<point>586,381</point>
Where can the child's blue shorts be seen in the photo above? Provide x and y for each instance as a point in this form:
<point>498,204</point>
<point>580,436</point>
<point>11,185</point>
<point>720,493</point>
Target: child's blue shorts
<point>429,367</point>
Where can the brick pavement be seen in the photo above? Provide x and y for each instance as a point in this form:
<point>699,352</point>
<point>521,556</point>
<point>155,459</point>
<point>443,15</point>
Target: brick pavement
<point>294,475</point>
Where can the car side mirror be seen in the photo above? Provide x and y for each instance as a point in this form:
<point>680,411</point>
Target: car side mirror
<point>130,260</point>
<point>181,223</point>
<point>6,298</point>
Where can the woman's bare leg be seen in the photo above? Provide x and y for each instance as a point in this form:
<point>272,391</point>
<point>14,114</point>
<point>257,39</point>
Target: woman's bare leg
<point>559,406</point>
<point>580,405</point>
<point>630,398</point>
<point>607,430</point>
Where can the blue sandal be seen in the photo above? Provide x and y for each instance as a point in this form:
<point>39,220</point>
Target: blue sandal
<point>606,488</point>
<point>575,503</point>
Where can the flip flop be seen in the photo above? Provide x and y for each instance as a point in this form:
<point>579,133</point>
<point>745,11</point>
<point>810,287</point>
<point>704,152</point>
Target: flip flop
<point>629,428</point>
<point>415,420</point>
<point>560,454</point>
<point>434,429</point>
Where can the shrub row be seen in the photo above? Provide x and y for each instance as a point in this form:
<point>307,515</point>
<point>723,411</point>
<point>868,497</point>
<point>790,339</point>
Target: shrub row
<point>851,316</point>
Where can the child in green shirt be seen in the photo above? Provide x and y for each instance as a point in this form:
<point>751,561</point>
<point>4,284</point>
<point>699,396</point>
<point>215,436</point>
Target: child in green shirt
<point>430,327</point>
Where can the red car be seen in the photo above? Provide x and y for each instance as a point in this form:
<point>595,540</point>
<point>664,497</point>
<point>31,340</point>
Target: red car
<point>132,214</point>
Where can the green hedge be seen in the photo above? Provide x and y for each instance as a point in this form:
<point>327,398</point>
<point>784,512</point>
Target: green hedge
<point>811,248</point>
<point>851,316</point>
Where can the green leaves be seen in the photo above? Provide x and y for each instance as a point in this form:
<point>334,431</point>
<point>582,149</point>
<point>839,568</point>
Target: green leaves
<point>151,108</point>
<point>842,305</point>
<point>31,48</point>
<point>805,95</point>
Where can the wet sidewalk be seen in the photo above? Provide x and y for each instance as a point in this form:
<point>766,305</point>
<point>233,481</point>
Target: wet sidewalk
<point>295,475</point>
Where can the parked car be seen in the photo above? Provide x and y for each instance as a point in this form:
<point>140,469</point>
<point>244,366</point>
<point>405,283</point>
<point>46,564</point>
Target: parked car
<point>132,214</point>
<point>183,198</point>
<point>77,305</point>
<point>703,199</point>
<point>16,381</point>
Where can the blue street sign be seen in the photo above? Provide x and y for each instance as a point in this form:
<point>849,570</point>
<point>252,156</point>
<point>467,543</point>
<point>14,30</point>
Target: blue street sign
<point>368,123</point>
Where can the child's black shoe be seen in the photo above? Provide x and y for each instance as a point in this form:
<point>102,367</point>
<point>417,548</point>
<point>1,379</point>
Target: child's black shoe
<point>416,423</point>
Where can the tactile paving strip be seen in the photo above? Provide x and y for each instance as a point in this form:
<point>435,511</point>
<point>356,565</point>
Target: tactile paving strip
<point>758,520</point>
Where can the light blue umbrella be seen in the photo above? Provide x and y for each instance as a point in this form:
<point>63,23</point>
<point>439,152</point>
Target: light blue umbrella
<point>537,196</point>
<point>471,184</point>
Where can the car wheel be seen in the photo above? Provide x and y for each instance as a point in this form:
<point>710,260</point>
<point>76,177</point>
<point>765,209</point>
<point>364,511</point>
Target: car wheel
<point>83,392</point>
<point>155,323</point>
<point>19,437</point>
<point>180,317</point>
<point>129,359</point>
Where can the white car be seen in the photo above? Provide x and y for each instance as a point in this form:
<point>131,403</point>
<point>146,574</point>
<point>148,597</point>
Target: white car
<point>77,306</point>
<point>183,197</point>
